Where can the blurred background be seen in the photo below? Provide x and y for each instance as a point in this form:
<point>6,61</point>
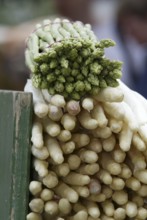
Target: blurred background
<point>123,21</point>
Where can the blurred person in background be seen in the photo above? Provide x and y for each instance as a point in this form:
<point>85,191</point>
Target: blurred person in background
<point>129,30</point>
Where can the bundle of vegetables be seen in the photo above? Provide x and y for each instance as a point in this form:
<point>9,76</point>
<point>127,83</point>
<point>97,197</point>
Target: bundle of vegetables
<point>67,58</point>
<point>90,155</point>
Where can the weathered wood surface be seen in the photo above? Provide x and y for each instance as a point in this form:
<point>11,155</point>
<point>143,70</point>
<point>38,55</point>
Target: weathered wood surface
<point>15,124</point>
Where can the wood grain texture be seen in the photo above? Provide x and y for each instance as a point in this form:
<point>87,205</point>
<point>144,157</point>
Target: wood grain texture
<point>15,127</point>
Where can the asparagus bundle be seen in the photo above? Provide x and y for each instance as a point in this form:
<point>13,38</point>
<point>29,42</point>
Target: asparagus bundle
<point>89,155</point>
<point>67,58</point>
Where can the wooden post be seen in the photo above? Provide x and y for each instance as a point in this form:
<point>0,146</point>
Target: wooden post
<point>15,126</point>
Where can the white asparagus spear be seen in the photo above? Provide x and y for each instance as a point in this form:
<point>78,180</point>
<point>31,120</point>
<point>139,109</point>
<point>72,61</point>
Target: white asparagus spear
<point>88,104</point>
<point>138,142</point>
<point>142,213</point>
<point>143,131</point>
<point>58,100</point>
<point>110,94</point>
<point>50,127</point>
<point>68,121</point>
<point>51,180</point>
<point>131,209</point>
<point>41,154</point>
<point>117,183</point>
<point>115,125</point>
<point>73,161</point>
<point>102,132</point>
<point>64,206</point>
<point>87,121</point>
<point>94,186</point>
<point>104,176</point>
<point>35,187</point>
<point>83,191</point>
<point>62,169</point>
<point>41,167</point>
<point>141,175</point>
<point>88,169</point>
<point>46,95</point>
<point>137,158</point>
<point>109,143</point>
<point>80,140</point>
<point>129,117</point>
<point>73,107</point>
<point>55,113</point>
<point>109,164</point>
<point>92,208</point>
<point>141,99</point>
<point>40,107</point>
<point>66,191</point>
<point>125,138</point>
<point>108,208</point>
<point>34,216</point>
<point>64,136</point>
<point>68,147</point>
<point>120,213</point>
<point>133,183</point>
<point>98,114</point>
<point>46,194</point>
<point>81,215</point>
<point>118,155</point>
<point>115,110</point>
<point>37,134</point>
<point>120,197</point>
<point>51,208</point>
<point>95,145</point>
<point>126,172</point>
<point>77,179</point>
<point>54,150</point>
<point>134,103</point>
<point>88,156</point>
<point>36,205</point>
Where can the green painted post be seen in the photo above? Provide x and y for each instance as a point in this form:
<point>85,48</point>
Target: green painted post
<point>15,124</point>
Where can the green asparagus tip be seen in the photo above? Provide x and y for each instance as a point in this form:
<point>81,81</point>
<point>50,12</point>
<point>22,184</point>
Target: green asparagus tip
<point>106,43</point>
<point>69,88</point>
<point>102,83</point>
<point>44,68</point>
<point>59,87</point>
<point>79,86</point>
<point>111,82</point>
<point>36,80</point>
<point>75,96</point>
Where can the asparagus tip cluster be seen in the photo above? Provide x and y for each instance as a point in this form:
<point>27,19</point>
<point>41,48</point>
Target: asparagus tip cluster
<point>66,58</point>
